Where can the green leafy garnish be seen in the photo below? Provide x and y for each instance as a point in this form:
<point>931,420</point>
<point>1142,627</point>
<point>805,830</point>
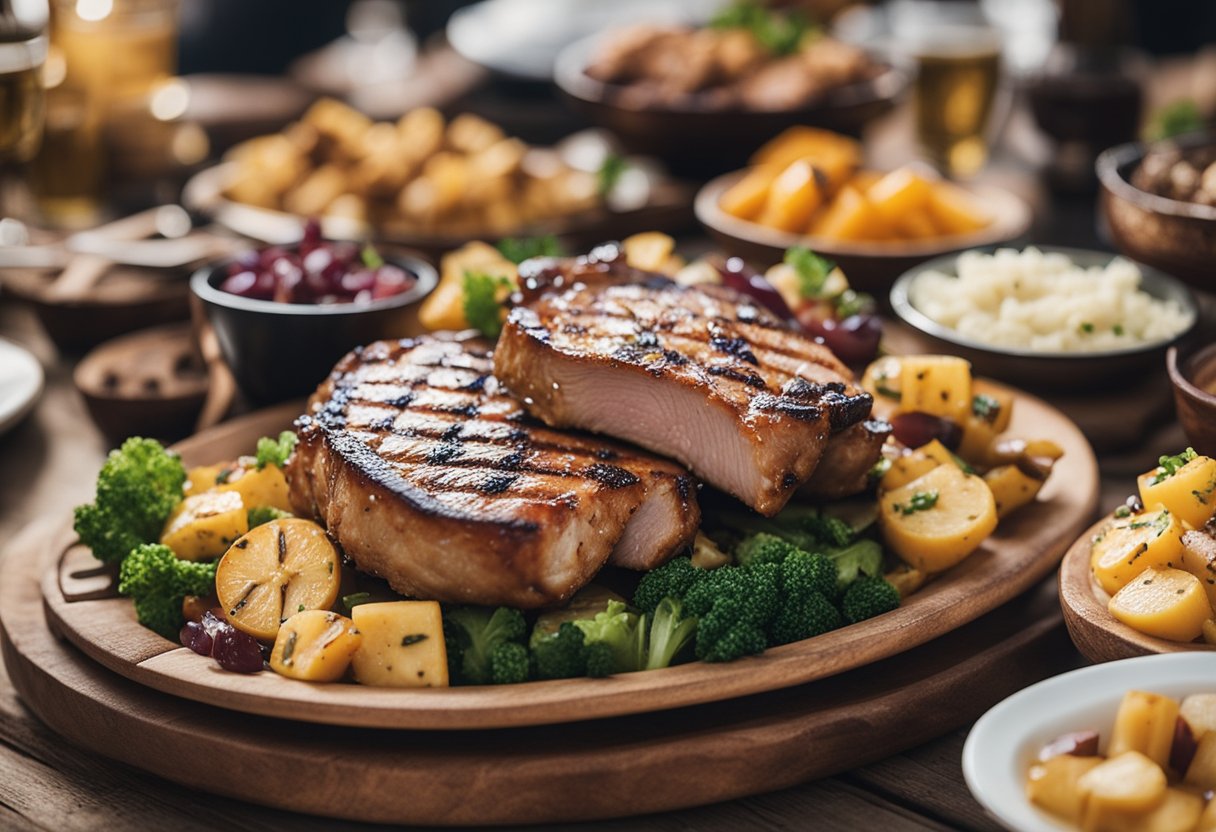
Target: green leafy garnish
<point>1123,511</point>
<point>920,501</point>
<point>482,308</point>
<point>779,33</point>
<point>1167,466</point>
<point>519,249</point>
<point>812,270</point>
<point>1117,329</point>
<point>276,451</point>
<point>849,303</point>
<point>1181,116</point>
<point>370,257</point>
<point>985,407</point>
<point>355,599</point>
<point>1086,327</point>
<point>610,173</point>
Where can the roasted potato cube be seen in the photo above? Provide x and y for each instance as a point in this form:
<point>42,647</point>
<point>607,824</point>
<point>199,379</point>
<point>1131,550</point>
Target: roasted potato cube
<point>938,519</point>
<point>265,487</point>
<point>954,211</point>
<point>421,134</point>
<point>1132,544</point>
<point>1199,558</point>
<point>849,216</point>
<point>403,645</point>
<point>315,646</point>
<point>1145,723</point>
<point>1202,770</point>
<point>1199,711</point>
<point>836,155</point>
<point>1127,782</point>
<point>1166,603</point>
<point>1012,488</point>
<point>793,197</point>
<point>649,251</point>
<point>1178,811</point>
<point>280,568</point>
<point>937,384</point>
<point>1190,493</point>
<point>469,134</point>
<point>204,525</point>
<point>746,198</point>
<point>203,477</point>
<point>1053,785</point>
<point>900,193</point>
<point>312,196</point>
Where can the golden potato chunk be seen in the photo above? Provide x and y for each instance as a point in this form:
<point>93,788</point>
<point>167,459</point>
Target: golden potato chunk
<point>204,525</point>
<point>1199,711</point>
<point>265,487</point>
<point>403,645</point>
<point>278,569</point>
<point>1053,784</point>
<point>1202,770</point>
<point>1145,723</point>
<point>938,519</point>
<point>1129,782</point>
<point>1166,603</point>
<point>1012,488</point>
<point>937,384</point>
<point>203,477</point>
<point>1132,544</point>
<point>1189,493</point>
<point>315,646</point>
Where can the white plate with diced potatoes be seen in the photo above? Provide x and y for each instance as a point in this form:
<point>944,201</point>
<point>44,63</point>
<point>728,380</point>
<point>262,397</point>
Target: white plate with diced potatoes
<point>1138,708</point>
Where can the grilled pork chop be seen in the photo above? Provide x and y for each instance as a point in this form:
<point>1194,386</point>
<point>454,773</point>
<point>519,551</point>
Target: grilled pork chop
<point>431,477</point>
<point>847,461</point>
<point>702,375</point>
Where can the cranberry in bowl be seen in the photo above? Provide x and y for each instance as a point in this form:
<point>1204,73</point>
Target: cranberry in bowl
<point>283,316</point>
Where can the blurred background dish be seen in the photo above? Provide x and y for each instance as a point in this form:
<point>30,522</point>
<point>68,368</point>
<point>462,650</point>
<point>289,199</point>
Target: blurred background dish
<point>21,381</point>
<point>1051,370</point>
<point>1194,381</point>
<point>1176,235</point>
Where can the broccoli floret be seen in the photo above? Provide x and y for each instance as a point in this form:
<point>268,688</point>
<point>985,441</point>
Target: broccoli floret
<point>620,630</point>
<point>671,580</point>
<point>764,548</point>
<point>509,663</point>
<point>157,580</point>
<point>831,530</point>
<point>560,655</point>
<point>803,573</point>
<point>259,515</point>
<point>803,616</point>
<point>139,486</point>
<point>862,558</point>
<point>867,597</point>
<point>756,589</point>
<point>275,451</point>
<point>600,660</point>
<point>670,632</point>
<point>482,301</point>
<point>473,633</point>
<point>729,631</point>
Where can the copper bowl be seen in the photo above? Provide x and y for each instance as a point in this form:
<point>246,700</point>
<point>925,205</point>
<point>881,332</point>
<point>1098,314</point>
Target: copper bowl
<point>697,140</point>
<point>1177,237</point>
<point>1194,383</point>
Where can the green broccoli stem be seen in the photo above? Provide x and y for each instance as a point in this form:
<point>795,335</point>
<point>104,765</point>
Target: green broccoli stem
<point>670,633</point>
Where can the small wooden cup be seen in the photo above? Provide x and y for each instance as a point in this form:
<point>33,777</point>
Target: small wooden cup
<point>1194,383</point>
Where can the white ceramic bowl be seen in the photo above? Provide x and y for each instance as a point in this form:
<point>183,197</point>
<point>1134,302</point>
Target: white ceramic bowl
<point>1005,742</point>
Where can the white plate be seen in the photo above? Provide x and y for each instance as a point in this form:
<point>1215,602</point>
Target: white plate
<point>1005,742</point>
<point>20,383</point>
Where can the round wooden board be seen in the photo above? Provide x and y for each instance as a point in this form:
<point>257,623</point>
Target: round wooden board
<point>582,771</point>
<point>81,604</point>
<point>1097,634</point>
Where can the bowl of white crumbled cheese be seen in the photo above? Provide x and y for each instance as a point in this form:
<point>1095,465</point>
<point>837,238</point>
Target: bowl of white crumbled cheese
<point>1047,317</point>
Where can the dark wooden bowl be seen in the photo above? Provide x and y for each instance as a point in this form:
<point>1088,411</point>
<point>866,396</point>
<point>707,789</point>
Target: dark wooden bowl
<point>1049,371</point>
<point>279,351</point>
<point>870,266</point>
<point>1177,237</point>
<point>696,140</point>
<point>1193,379</point>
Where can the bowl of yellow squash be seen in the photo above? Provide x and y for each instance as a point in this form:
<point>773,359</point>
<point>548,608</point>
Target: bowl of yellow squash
<point>807,188</point>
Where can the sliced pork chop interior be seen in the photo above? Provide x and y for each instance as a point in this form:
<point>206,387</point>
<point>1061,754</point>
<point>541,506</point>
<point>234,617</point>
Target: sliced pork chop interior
<point>431,477</point>
<point>702,375</point>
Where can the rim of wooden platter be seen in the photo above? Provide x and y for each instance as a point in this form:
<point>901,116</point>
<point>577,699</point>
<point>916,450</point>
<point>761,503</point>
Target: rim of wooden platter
<point>81,605</point>
<point>1097,634</point>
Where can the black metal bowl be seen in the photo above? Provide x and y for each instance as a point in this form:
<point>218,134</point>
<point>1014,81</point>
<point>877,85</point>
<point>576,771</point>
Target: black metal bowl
<point>279,351</point>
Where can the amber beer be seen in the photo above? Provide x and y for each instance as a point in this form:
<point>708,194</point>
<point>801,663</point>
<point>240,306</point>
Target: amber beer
<point>21,57</point>
<point>956,83</point>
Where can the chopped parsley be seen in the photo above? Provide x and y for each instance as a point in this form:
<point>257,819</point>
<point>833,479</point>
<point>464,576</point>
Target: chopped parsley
<point>849,303</point>
<point>1086,327</point>
<point>413,638</point>
<point>355,599</point>
<point>1167,466</point>
<point>985,407</point>
<point>482,308</point>
<point>812,270</point>
<point>610,172</point>
<point>1123,511</point>
<point>780,33</point>
<point>1181,116</point>
<point>1117,329</point>
<point>519,249</point>
<point>920,501</point>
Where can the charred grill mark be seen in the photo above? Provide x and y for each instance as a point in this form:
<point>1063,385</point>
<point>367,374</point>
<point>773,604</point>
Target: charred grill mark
<point>515,460</point>
<point>612,476</point>
<point>282,546</point>
<point>803,412</point>
<point>789,480</point>
<point>476,385</point>
<point>453,432</point>
<point>735,346</point>
<point>444,453</point>
<point>749,378</point>
<point>605,454</point>
<point>684,486</point>
<point>497,482</point>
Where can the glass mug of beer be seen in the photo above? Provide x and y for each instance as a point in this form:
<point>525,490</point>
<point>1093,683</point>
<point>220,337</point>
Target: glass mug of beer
<point>957,61</point>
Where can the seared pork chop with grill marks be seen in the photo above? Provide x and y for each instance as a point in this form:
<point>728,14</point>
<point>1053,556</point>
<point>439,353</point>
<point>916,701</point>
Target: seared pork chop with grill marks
<point>431,477</point>
<point>847,461</point>
<point>701,374</point>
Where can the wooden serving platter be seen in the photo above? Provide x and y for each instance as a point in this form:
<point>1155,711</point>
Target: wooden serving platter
<point>1097,634</point>
<point>81,604</point>
<point>582,771</point>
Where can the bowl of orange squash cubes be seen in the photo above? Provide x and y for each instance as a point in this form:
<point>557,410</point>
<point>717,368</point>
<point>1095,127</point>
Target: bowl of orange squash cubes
<point>807,187</point>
